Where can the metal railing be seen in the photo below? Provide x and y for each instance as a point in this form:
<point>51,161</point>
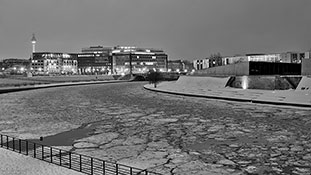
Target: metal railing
<point>71,160</point>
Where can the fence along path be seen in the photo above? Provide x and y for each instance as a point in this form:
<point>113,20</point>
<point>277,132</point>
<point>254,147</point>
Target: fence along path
<point>74,161</point>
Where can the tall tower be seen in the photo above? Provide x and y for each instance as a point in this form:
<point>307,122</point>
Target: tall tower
<point>33,41</point>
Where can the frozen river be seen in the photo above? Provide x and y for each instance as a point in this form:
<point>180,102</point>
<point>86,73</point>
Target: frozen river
<point>164,133</point>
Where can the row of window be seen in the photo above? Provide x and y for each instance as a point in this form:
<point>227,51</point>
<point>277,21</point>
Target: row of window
<point>65,64</point>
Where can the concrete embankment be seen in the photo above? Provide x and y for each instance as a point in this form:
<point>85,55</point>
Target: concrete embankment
<point>215,87</point>
<point>41,86</point>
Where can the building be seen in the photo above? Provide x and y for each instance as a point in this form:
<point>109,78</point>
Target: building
<point>234,59</point>
<point>15,62</point>
<point>15,65</point>
<point>54,63</point>
<point>180,66</point>
<point>287,57</point>
<point>252,68</point>
<point>95,60</point>
<point>175,66</point>
<point>1,66</point>
<point>119,60</point>
<point>201,64</point>
<point>307,54</point>
<point>287,63</point>
<point>264,57</point>
<point>252,58</point>
<point>138,60</point>
<point>97,49</point>
<point>293,57</point>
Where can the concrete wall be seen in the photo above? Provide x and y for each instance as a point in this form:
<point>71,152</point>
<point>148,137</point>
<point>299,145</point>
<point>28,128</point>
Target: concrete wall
<point>306,67</point>
<point>305,84</point>
<point>264,82</point>
<point>227,70</point>
<point>188,82</point>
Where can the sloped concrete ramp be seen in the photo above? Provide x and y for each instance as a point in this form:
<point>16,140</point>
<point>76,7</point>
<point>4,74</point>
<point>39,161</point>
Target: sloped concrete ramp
<point>214,87</point>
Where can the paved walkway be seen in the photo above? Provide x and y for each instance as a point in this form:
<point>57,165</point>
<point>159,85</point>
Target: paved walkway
<point>12,163</point>
<point>212,87</point>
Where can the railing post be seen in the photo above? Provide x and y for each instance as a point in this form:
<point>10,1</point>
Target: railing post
<point>42,147</point>
<point>13,144</point>
<point>104,167</point>
<point>7,142</point>
<point>34,150</point>
<point>80,163</point>
<point>26,147</point>
<point>60,157</point>
<point>20,146</point>
<point>69,160</point>
<point>91,165</point>
<point>51,154</point>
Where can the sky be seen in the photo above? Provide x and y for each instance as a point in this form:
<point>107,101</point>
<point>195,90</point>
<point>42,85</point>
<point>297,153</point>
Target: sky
<point>184,29</point>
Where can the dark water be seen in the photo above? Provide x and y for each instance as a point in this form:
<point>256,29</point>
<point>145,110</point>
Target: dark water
<point>65,138</point>
<point>62,139</point>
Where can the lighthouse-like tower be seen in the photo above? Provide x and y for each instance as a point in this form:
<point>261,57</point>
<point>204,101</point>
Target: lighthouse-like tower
<point>33,41</point>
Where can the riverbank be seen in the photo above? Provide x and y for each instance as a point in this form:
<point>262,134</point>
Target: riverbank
<point>215,88</point>
<point>30,83</point>
<point>19,81</point>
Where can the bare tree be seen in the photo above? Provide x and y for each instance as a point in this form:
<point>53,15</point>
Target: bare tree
<point>215,60</point>
<point>154,77</point>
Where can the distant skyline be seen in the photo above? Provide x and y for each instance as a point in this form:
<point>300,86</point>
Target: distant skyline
<point>184,29</point>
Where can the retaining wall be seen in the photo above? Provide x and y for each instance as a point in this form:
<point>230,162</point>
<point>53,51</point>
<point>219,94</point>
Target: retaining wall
<point>226,70</point>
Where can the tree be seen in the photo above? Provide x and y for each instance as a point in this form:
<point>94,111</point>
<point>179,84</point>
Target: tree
<point>215,60</point>
<point>154,77</point>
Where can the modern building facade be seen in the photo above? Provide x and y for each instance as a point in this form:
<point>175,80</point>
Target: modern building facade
<point>54,63</point>
<point>252,68</point>
<point>287,57</point>
<point>14,66</point>
<point>201,64</point>
<point>253,58</point>
<point>100,60</point>
<point>126,59</point>
<point>95,60</point>
<point>287,63</point>
<point>308,54</point>
<point>180,66</point>
<point>15,62</point>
